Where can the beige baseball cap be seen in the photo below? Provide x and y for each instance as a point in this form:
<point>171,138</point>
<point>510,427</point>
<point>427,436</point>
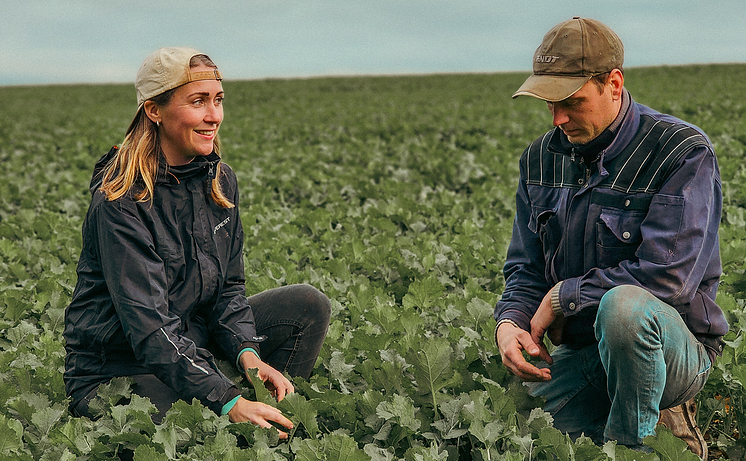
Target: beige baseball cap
<point>166,69</point>
<point>571,53</point>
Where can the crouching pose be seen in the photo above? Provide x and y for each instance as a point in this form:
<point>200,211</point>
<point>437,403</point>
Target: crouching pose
<point>614,253</point>
<point>160,289</point>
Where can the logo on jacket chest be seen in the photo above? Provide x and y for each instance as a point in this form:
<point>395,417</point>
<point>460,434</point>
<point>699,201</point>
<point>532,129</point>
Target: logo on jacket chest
<point>217,228</point>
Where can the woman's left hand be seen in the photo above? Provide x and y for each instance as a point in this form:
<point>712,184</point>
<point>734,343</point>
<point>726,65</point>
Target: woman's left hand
<point>275,381</point>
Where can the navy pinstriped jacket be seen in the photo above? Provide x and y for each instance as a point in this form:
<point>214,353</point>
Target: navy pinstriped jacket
<point>645,213</point>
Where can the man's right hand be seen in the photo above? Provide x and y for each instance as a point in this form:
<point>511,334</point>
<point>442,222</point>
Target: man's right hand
<point>511,341</point>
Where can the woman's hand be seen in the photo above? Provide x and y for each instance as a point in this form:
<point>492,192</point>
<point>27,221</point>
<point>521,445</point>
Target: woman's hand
<point>260,414</point>
<point>275,381</point>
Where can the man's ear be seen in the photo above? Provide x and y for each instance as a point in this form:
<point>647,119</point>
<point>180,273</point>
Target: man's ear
<point>616,80</point>
<point>152,111</point>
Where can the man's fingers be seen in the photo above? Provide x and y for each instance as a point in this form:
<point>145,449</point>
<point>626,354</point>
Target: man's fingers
<point>528,372</point>
<point>530,344</point>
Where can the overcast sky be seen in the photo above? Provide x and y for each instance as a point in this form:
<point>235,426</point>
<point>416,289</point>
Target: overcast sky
<point>71,41</point>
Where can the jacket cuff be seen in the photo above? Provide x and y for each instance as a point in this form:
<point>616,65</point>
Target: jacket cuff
<point>569,296</point>
<point>519,318</point>
<point>250,350</point>
<point>229,406</point>
<point>555,297</point>
<point>229,400</point>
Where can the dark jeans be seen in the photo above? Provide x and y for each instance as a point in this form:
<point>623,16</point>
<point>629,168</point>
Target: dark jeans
<point>295,320</point>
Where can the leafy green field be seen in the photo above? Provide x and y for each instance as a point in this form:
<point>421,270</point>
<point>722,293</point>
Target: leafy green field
<point>394,196</point>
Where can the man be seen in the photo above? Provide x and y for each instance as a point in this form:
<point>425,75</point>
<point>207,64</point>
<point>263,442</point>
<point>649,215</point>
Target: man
<point>614,253</point>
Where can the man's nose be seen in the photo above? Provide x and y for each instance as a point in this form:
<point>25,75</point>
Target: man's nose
<point>559,116</point>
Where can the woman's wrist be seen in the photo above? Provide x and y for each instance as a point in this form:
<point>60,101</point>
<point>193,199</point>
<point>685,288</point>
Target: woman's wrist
<point>248,358</point>
<point>229,406</point>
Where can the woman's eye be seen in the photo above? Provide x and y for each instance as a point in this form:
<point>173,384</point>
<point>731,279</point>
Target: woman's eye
<point>198,102</point>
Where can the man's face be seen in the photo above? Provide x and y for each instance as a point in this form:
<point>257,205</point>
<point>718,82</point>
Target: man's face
<point>587,113</point>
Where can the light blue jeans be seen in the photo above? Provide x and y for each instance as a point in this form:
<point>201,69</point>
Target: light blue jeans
<point>646,360</point>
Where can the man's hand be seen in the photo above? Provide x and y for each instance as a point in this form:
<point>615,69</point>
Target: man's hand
<point>511,341</point>
<point>275,381</point>
<point>546,321</point>
<point>258,413</point>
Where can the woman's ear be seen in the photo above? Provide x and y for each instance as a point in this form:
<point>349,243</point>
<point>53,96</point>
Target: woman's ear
<point>152,111</point>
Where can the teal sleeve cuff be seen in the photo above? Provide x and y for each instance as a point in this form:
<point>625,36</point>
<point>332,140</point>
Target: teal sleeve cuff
<point>246,349</point>
<point>229,406</point>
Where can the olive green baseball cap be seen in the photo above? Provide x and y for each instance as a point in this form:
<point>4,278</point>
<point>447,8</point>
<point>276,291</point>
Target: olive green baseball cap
<point>166,69</point>
<point>571,53</point>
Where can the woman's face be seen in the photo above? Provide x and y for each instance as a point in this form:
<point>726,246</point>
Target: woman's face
<point>190,120</point>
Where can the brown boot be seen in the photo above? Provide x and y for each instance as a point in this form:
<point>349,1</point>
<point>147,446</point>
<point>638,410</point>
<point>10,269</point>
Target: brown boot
<point>682,421</point>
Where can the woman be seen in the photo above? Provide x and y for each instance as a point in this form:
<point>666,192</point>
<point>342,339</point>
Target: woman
<point>160,277</point>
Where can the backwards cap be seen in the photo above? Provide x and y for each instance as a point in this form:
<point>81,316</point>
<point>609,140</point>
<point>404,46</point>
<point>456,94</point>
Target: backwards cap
<point>166,69</point>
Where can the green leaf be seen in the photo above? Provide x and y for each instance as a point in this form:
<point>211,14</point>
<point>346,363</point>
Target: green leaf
<point>400,409</point>
<point>170,437</point>
<point>301,412</point>
<point>431,366</point>
<point>502,404</point>
<point>335,446</point>
<point>525,445</point>
<point>110,394</point>
<point>431,453</point>
<point>422,294</point>
<point>11,433</point>
<point>262,393</point>
<point>189,416</point>
<point>221,446</point>
<point>148,453</point>
<point>46,418</point>
<point>450,410</point>
<point>475,408</point>
<point>377,453</point>
<point>340,371</point>
<point>28,403</point>
<point>480,312</point>
<point>586,450</point>
<point>621,453</point>
<point>555,444</point>
<point>77,433</point>
<point>488,433</point>
<point>668,446</point>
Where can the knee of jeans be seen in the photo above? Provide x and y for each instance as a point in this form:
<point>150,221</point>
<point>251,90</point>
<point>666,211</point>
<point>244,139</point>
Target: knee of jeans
<point>623,309</point>
<point>318,302</point>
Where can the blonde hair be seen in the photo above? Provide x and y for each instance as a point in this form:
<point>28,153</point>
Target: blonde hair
<point>137,158</point>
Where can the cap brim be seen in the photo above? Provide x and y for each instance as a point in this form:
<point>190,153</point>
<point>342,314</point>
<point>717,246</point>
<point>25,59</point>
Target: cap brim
<point>551,88</point>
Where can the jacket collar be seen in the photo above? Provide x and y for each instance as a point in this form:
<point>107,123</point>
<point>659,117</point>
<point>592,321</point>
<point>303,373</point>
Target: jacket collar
<point>201,168</point>
<point>624,128</point>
